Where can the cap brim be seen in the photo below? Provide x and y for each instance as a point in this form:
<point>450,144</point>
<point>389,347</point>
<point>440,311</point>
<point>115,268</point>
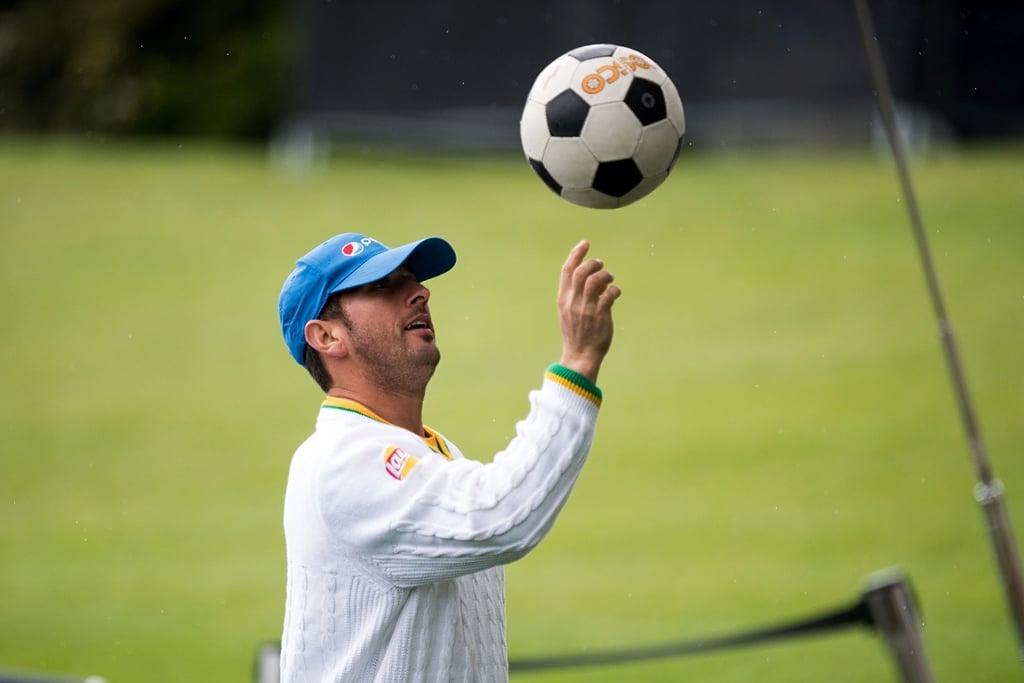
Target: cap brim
<point>426,258</point>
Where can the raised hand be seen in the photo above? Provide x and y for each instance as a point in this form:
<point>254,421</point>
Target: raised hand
<point>585,298</point>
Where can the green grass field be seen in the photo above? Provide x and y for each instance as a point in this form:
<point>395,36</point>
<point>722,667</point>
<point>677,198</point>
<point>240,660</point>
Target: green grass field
<point>778,420</point>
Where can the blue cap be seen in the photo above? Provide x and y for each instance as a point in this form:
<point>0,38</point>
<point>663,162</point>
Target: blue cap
<point>343,262</point>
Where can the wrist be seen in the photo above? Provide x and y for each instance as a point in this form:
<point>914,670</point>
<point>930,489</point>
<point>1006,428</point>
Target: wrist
<point>583,366</point>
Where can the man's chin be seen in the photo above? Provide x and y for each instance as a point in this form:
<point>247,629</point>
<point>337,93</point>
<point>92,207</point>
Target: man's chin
<point>427,355</point>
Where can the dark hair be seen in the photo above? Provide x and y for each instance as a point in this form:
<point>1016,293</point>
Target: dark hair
<point>314,364</point>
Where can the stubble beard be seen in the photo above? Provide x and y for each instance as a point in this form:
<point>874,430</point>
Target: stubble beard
<point>397,368</point>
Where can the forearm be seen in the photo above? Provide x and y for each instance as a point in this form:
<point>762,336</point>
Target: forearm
<point>469,516</point>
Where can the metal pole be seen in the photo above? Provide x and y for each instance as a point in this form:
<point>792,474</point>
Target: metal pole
<point>895,617</point>
<point>989,490</point>
<point>267,664</point>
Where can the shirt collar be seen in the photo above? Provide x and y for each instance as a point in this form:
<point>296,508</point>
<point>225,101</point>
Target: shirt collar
<point>430,437</point>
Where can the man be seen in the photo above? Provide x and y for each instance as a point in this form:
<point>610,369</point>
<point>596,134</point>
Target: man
<point>395,541</point>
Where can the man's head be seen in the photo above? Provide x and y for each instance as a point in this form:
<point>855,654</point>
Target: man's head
<point>346,263</point>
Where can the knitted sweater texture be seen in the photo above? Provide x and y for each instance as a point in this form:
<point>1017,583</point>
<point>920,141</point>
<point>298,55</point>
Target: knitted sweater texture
<point>395,542</point>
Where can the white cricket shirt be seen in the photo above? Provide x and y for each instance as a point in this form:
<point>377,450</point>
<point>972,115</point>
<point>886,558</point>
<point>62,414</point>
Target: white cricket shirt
<point>395,542</point>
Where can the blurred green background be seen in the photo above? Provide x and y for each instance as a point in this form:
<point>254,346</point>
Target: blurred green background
<point>778,421</point>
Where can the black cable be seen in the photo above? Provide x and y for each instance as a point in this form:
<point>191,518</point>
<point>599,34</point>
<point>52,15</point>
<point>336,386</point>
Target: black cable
<point>856,614</point>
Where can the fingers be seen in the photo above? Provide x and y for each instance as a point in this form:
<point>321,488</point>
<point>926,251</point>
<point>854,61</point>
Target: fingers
<point>587,280</point>
<point>575,271</point>
<point>592,278</point>
<point>608,297</point>
<point>572,262</point>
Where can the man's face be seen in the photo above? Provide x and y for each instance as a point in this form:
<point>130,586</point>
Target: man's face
<point>390,330</point>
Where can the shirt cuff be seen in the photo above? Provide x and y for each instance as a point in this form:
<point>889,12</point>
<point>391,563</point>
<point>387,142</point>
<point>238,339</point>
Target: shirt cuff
<point>575,382</point>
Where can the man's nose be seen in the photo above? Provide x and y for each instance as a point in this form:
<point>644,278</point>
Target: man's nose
<point>418,294</point>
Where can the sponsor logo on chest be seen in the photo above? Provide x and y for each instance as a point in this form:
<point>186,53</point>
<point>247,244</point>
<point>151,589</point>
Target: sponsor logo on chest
<point>398,463</point>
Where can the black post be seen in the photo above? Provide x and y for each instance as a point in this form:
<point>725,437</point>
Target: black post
<point>895,617</point>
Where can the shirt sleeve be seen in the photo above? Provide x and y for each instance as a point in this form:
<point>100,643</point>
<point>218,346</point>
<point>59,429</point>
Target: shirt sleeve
<point>420,518</point>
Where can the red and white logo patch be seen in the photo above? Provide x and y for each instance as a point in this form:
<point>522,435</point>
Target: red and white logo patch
<point>352,249</point>
<point>398,463</point>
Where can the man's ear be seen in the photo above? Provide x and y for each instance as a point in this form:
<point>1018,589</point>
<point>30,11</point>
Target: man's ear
<point>327,337</point>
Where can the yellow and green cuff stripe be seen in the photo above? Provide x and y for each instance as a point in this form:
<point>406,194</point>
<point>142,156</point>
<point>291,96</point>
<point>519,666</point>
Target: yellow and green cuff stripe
<point>575,382</point>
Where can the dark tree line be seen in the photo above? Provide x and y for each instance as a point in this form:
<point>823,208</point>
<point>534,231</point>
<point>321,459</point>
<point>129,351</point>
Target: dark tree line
<point>144,67</point>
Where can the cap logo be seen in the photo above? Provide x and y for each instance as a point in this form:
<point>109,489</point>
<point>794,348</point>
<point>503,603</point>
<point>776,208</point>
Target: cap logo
<point>352,249</point>
<point>357,248</point>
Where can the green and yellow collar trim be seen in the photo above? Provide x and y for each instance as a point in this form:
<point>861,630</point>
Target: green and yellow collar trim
<point>430,437</point>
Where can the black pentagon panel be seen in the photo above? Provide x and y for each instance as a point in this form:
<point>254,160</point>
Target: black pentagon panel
<point>646,100</point>
<point>545,176</point>
<point>593,51</point>
<point>616,178</point>
<point>566,115</point>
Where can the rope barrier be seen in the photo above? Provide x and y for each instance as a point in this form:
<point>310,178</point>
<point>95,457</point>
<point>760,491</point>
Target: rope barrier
<point>886,606</point>
<point>853,615</point>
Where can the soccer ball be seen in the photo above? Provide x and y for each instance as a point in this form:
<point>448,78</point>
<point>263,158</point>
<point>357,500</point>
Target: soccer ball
<point>602,126</point>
